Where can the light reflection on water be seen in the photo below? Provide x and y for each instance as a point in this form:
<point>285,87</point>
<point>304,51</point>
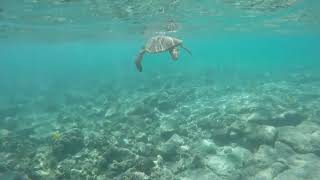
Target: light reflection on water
<point>72,19</point>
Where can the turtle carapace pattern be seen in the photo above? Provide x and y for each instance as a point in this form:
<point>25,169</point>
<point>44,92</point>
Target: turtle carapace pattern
<point>158,44</point>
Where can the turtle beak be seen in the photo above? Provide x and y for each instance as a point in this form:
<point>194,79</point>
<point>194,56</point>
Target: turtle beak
<point>174,52</point>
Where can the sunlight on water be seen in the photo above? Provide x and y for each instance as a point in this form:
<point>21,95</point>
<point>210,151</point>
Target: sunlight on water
<point>108,18</point>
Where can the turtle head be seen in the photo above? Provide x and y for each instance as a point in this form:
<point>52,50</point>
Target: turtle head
<point>174,52</point>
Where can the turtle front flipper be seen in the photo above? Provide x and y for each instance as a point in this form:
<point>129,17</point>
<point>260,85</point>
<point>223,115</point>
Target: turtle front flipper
<point>138,60</point>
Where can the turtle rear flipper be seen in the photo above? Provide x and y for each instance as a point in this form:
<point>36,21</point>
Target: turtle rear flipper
<point>138,60</point>
<point>186,49</point>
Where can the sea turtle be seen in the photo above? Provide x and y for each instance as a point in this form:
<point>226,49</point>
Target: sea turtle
<point>158,44</point>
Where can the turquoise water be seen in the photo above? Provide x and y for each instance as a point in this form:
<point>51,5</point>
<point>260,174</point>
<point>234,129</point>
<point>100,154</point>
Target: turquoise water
<point>34,64</point>
<point>245,105</point>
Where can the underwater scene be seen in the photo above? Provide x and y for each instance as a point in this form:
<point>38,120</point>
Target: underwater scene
<point>159,89</point>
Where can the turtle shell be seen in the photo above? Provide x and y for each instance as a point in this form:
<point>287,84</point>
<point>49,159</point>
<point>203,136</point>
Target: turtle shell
<point>161,43</point>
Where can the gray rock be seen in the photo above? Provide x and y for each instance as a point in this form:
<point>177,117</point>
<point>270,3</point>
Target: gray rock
<point>205,147</point>
<point>203,174</point>
<point>215,121</point>
<point>240,127</point>
<point>154,138</point>
<point>163,101</point>
<point>167,128</point>
<point>270,172</point>
<point>266,164</point>
<point>141,136</point>
<point>170,149</point>
<point>240,156</point>
<point>162,174</point>
<point>263,134</point>
<point>197,162</point>
<point>304,166</point>
<point>132,174</point>
<point>222,166</point>
<point>287,118</point>
<point>117,154</point>
<point>252,134</point>
<point>112,111</point>
<point>304,138</point>
<point>265,156</point>
<point>139,109</point>
<point>283,150</point>
<point>221,135</point>
<point>269,162</point>
<point>259,117</point>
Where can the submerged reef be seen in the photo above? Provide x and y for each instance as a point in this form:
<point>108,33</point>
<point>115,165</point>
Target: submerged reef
<point>68,143</point>
<point>269,130</point>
